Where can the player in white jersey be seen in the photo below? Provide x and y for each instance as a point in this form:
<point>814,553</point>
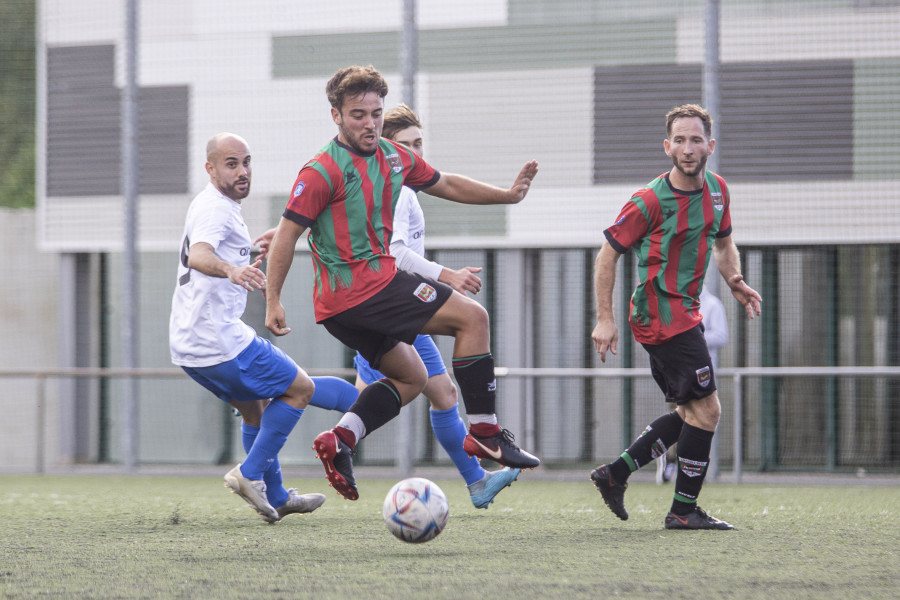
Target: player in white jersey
<point>408,247</point>
<point>210,342</point>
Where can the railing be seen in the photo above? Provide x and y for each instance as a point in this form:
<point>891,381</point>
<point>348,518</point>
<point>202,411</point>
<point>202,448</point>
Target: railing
<point>737,375</point>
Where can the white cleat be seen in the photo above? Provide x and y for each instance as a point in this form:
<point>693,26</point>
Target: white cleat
<point>298,503</point>
<point>254,492</point>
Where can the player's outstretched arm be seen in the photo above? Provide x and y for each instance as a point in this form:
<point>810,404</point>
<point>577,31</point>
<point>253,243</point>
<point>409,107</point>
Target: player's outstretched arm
<point>462,280</point>
<point>728,260</point>
<point>280,258</point>
<point>605,334</point>
<point>202,257</point>
<point>264,241</point>
<point>466,190</point>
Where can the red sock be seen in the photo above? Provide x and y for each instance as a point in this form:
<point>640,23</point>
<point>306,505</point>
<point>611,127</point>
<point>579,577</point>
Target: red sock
<point>346,436</point>
<point>484,429</point>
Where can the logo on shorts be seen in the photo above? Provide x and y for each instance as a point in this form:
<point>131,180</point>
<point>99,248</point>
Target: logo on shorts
<point>426,293</point>
<point>393,161</point>
<point>703,377</point>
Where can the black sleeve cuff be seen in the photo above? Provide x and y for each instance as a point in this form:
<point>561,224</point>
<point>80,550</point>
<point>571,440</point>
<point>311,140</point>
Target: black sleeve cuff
<point>612,242</point>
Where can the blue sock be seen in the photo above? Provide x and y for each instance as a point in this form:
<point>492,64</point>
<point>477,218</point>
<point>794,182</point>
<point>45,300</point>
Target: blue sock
<point>450,431</point>
<point>333,393</point>
<point>278,420</point>
<point>275,492</point>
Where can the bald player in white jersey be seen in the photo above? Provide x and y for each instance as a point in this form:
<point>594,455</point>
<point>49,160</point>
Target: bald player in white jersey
<point>208,339</point>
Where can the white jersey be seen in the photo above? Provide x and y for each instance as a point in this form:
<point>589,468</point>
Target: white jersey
<point>408,238</point>
<point>205,326</point>
<point>715,324</point>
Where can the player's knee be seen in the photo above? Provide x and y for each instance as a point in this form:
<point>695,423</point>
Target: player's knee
<point>476,316</point>
<point>441,393</point>
<point>300,391</point>
<point>711,411</point>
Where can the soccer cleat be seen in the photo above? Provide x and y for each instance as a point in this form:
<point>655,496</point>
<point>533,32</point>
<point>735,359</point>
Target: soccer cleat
<point>336,457</point>
<point>501,448</point>
<point>252,491</point>
<point>613,493</point>
<point>484,491</point>
<point>298,503</point>
<point>696,519</point>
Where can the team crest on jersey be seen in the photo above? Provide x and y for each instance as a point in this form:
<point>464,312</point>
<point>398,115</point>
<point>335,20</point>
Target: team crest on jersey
<point>301,185</point>
<point>426,293</point>
<point>394,162</point>
<point>703,376</point>
<point>718,201</point>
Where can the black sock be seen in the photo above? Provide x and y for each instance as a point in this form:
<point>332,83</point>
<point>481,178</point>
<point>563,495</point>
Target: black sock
<point>693,458</point>
<point>477,385</point>
<point>651,444</point>
<point>377,404</point>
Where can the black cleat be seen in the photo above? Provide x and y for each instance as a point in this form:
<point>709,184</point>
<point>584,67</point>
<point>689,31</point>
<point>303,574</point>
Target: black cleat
<point>500,448</point>
<point>613,493</point>
<point>336,457</point>
<point>696,519</point>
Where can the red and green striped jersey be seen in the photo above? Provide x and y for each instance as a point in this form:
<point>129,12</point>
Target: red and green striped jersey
<point>347,200</point>
<point>672,233</point>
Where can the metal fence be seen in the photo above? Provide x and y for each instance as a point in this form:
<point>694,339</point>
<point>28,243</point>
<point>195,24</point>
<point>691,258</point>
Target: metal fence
<point>768,431</point>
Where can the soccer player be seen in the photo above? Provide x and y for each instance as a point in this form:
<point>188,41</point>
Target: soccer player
<point>346,196</point>
<point>222,353</point>
<point>673,225</point>
<point>402,125</point>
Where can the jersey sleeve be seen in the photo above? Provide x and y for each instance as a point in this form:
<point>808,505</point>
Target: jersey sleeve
<point>408,260</point>
<point>310,195</point>
<point>630,226</point>
<point>725,223</point>
<point>211,224</point>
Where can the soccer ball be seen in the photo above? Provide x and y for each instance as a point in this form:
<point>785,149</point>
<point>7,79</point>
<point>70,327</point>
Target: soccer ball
<point>415,510</point>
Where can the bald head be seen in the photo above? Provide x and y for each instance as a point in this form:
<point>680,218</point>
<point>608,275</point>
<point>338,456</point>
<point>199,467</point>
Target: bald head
<point>228,165</point>
<point>218,141</point>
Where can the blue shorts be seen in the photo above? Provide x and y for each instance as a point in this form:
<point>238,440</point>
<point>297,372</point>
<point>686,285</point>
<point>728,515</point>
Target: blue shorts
<point>426,348</point>
<point>260,371</point>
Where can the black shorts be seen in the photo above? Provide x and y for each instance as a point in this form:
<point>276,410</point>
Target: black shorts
<point>395,314</point>
<point>682,367</point>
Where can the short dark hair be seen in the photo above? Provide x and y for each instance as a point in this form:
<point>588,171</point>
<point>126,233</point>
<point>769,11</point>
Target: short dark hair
<point>350,82</point>
<point>397,119</point>
<point>689,110</point>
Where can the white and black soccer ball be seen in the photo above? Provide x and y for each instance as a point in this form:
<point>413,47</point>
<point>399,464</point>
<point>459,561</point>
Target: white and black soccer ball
<point>416,510</point>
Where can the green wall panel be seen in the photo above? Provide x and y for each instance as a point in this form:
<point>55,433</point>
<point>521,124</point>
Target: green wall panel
<point>518,47</point>
<point>876,116</point>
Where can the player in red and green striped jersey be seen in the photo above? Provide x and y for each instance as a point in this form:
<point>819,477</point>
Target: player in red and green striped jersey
<point>346,196</point>
<point>673,225</point>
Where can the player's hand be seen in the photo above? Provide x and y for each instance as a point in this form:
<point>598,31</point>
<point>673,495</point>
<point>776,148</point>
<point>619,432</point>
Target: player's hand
<point>275,320</point>
<point>522,184</point>
<point>746,295</point>
<point>265,242</point>
<point>462,280</point>
<point>249,277</point>
<point>606,337</point>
